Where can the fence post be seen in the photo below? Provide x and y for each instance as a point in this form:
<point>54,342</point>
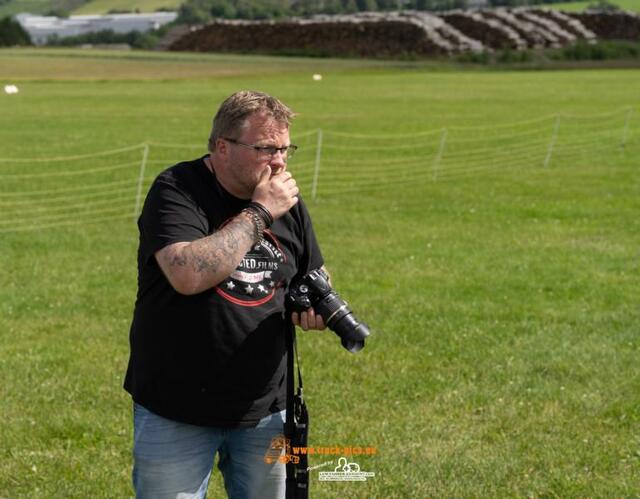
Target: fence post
<point>316,171</point>
<point>436,160</point>
<point>143,165</point>
<point>553,142</point>
<point>625,131</point>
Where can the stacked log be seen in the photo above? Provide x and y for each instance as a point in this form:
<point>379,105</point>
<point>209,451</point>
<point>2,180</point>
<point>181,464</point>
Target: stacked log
<point>612,26</point>
<point>363,39</point>
<point>568,23</point>
<point>410,33</point>
<point>550,29</point>
<point>437,29</point>
<point>490,32</point>
<point>525,29</point>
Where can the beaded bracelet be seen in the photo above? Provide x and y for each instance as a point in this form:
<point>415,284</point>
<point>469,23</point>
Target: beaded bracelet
<point>266,214</point>
<point>258,222</point>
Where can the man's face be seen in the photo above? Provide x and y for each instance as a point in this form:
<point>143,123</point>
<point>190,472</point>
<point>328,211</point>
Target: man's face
<point>245,164</point>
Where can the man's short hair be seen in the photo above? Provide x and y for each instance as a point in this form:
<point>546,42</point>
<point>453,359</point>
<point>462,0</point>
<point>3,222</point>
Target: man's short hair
<point>234,112</point>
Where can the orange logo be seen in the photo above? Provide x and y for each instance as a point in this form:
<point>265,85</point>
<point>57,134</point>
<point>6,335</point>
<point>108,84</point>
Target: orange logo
<point>280,451</point>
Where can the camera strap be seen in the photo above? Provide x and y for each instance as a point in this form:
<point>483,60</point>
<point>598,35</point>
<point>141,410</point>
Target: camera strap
<point>296,426</point>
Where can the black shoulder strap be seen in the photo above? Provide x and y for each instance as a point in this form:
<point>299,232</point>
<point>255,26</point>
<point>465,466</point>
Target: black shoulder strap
<point>296,425</point>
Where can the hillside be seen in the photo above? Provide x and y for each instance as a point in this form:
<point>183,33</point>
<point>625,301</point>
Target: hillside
<point>631,5</point>
<point>11,7</point>
<point>77,7</point>
<point>104,6</point>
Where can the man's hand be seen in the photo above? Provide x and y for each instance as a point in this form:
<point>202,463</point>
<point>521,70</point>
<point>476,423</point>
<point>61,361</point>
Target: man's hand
<point>278,193</point>
<point>308,320</point>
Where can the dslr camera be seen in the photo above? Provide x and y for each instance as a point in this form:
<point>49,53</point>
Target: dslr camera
<point>314,290</point>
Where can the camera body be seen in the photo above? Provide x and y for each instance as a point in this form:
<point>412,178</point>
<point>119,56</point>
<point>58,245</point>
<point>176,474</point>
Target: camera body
<point>314,291</point>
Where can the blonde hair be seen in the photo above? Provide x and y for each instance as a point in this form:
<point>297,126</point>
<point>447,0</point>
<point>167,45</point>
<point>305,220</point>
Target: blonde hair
<point>232,116</point>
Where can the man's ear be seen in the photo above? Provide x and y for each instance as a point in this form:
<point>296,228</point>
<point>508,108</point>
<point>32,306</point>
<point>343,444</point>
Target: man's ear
<point>222,147</point>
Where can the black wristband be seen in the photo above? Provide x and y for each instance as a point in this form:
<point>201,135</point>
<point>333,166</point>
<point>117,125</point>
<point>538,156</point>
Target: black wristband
<point>258,223</point>
<point>264,213</point>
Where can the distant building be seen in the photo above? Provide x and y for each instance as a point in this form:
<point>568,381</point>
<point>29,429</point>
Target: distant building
<point>41,28</point>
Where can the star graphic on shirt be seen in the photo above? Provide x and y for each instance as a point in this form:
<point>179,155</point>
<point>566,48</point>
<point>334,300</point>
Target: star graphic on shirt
<point>249,289</point>
<point>261,288</point>
<point>272,284</point>
<point>230,285</point>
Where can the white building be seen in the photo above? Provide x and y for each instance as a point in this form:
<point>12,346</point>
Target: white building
<point>41,28</point>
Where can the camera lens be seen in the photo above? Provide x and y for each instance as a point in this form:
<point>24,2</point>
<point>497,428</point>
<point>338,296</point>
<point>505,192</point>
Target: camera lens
<point>340,319</point>
<point>352,333</point>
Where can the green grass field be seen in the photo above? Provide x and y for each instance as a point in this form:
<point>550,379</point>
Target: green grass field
<point>485,224</point>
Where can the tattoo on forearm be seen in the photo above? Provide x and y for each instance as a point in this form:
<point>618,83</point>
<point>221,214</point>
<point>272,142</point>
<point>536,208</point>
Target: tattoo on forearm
<point>219,250</point>
<point>178,259</point>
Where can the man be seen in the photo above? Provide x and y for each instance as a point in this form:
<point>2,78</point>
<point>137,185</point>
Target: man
<point>221,238</point>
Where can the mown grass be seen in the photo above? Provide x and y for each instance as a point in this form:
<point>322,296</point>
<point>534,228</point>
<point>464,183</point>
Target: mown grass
<point>504,361</point>
<point>99,65</point>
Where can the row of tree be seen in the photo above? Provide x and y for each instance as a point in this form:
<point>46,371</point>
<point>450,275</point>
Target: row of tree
<point>12,34</point>
<point>135,39</point>
<point>198,11</point>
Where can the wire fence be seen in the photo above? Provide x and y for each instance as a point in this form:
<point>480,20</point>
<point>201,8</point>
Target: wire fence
<point>37,193</point>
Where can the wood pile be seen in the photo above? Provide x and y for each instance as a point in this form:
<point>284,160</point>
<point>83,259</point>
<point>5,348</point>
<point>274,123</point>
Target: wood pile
<point>568,23</point>
<point>550,29</point>
<point>410,33</point>
<point>612,26</point>
<point>490,32</point>
<point>533,37</point>
<point>364,39</point>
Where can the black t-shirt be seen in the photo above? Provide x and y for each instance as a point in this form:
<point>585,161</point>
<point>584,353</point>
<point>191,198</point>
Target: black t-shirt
<point>217,358</point>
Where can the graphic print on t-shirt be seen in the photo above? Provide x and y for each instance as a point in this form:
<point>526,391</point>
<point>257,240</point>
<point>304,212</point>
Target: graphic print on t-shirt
<point>256,278</point>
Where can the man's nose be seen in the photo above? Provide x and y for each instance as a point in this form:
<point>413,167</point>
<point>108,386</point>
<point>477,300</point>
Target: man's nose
<point>279,158</point>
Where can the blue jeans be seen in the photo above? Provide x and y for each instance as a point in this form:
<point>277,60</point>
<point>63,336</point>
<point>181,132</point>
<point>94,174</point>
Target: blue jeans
<point>174,460</point>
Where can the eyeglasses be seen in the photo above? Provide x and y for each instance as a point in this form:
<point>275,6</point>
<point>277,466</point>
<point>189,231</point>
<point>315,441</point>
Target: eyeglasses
<point>267,151</point>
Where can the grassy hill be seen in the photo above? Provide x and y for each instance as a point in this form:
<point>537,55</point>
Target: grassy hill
<point>104,6</point>
<point>631,5</point>
<point>15,7</point>
<point>77,7</point>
